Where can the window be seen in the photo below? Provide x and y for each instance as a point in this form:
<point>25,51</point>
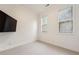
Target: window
<point>44,23</point>
<point>66,21</point>
<point>65,26</point>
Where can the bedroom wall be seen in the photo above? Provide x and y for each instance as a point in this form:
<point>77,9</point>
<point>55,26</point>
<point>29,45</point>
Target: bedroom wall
<point>52,36</point>
<point>26,27</point>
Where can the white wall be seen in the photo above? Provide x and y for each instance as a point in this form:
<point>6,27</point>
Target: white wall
<point>66,40</point>
<point>26,27</point>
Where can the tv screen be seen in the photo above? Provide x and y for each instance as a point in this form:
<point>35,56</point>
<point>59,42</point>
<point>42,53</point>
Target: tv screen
<point>7,23</point>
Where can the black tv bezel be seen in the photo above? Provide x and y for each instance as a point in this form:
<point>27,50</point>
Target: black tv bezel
<point>5,21</point>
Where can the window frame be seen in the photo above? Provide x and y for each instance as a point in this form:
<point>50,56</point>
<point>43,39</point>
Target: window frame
<point>44,25</point>
<point>65,19</point>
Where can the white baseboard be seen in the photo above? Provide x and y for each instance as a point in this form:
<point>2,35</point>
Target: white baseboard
<point>48,42</point>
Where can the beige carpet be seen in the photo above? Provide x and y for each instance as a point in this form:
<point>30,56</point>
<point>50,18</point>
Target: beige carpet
<point>37,48</point>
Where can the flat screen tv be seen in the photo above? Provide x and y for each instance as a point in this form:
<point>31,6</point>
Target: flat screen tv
<point>7,23</point>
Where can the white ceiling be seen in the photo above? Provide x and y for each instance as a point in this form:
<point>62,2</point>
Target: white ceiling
<point>38,8</point>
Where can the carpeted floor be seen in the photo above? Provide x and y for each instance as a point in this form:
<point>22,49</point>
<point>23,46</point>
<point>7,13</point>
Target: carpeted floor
<point>37,48</point>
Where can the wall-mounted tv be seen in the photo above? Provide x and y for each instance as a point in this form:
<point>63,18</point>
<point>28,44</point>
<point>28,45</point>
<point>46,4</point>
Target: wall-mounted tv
<point>7,23</point>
